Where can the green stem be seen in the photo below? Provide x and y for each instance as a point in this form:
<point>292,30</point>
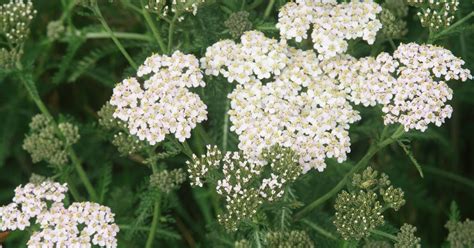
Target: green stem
<point>187,149</point>
<point>255,4</point>
<point>154,224</point>
<point>446,31</point>
<point>225,130</point>
<point>119,35</point>
<point>156,210</point>
<point>155,32</point>
<point>361,164</point>
<point>319,229</point>
<point>171,32</point>
<point>202,132</point>
<point>256,236</point>
<point>113,37</point>
<point>384,234</point>
<point>75,194</point>
<point>83,176</point>
<point>268,10</point>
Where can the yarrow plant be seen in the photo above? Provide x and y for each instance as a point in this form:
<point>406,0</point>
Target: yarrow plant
<point>274,112</point>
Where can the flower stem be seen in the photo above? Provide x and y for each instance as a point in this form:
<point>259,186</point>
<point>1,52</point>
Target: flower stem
<point>384,234</point>
<point>155,32</point>
<point>156,212</point>
<point>361,164</point>
<point>82,175</point>
<point>113,37</point>
<point>171,32</point>
<point>269,8</point>
<point>319,229</point>
<point>119,35</point>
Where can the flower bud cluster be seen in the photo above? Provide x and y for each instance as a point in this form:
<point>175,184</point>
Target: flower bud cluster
<point>243,184</point>
<point>238,23</point>
<point>167,181</point>
<point>332,23</point>
<point>15,19</point>
<point>48,143</point>
<point>294,238</point>
<point>126,143</point>
<point>393,27</point>
<point>360,210</point>
<point>177,7</point>
<point>436,15</point>
<point>9,58</point>
<point>55,30</point>
<point>392,18</point>
<point>163,105</point>
<point>80,225</point>
<point>461,234</point>
<point>406,237</point>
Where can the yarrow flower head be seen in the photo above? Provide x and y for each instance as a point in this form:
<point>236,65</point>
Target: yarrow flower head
<point>15,19</point>
<point>332,23</point>
<point>283,97</point>
<point>420,94</point>
<point>360,210</point>
<point>49,143</point>
<point>163,105</point>
<point>80,225</point>
<point>294,238</point>
<point>436,15</point>
<point>238,23</point>
<point>461,234</point>
<point>245,185</point>
<point>167,180</point>
<point>406,237</point>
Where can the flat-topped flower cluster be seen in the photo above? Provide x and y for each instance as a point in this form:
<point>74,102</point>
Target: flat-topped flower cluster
<point>164,104</point>
<point>332,24</point>
<point>79,225</point>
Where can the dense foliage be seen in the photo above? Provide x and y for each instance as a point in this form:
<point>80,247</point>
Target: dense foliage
<point>236,123</point>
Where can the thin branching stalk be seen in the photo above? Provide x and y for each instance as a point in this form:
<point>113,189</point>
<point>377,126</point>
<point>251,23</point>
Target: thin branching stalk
<point>119,45</point>
<point>319,229</point>
<point>384,234</point>
<point>119,35</point>
<point>435,37</point>
<point>360,165</point>
<point>269,8</point>
<point>156,210</point>
<point>151,24</point>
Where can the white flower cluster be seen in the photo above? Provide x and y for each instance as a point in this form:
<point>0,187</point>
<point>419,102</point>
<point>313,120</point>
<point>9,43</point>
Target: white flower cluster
<point>301,108</point>
<point>80,225</point>
<point>420,95</point>
<point>367,81</point>
<point>332,23</point>
<point>164,105</point>
<point>255,58</point>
